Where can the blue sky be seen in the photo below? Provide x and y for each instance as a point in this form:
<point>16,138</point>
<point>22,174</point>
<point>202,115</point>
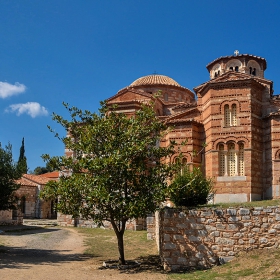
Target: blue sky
<point>82,52</point>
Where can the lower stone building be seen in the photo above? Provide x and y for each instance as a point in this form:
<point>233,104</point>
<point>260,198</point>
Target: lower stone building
<point>31,205</point>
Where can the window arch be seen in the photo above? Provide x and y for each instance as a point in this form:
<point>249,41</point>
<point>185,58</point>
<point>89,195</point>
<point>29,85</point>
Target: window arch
<point>230,115</point>
<point>231,159</point>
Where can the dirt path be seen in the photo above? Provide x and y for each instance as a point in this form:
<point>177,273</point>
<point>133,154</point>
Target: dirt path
<point>55,253</point>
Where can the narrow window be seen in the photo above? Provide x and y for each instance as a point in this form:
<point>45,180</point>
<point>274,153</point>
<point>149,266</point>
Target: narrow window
<point>22,204</point>
<point>230,118</point>
<point>254,72</point>
<point>241,160</point>
<point>222,160</point>
<point>236,68</point>
<point>250,70</point>
<point>227,115</point>
<point>231,160</point>
<point>233,115</point>
<point>231,68</point>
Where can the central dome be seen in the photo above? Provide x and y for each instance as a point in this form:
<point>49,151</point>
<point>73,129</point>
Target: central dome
<point>154,80</point>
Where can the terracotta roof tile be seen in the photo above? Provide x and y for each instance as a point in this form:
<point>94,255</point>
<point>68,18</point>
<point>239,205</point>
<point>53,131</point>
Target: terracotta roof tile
<point>25,182</point>
<point>51,175</point>
<point>37,179</point>
<point>155,80</point>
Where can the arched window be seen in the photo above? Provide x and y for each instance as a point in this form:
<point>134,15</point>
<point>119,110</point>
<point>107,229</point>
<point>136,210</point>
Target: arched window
<point>231,161</point>
<point>236,68</point>
<point>230,115</point>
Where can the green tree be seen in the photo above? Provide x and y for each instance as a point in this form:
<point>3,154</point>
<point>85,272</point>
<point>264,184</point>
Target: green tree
<point>190,188</point>
<point>43,169</point>
<point>8,174</point>
<point>118,171</point>
<point>22,161</point>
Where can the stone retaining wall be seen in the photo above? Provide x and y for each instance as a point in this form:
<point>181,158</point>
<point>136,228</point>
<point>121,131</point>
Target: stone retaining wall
<point>205,237</point>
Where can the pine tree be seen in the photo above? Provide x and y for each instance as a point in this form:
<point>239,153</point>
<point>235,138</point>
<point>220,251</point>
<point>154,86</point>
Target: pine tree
<point>8,176</point>
<point>22,161</point>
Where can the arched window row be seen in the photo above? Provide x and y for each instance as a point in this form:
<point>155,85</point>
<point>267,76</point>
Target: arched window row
<point>178,160</point>
<point>231,159</point>
<point>230,115</point>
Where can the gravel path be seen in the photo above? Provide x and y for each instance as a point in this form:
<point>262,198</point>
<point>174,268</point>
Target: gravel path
<point>54,253</point>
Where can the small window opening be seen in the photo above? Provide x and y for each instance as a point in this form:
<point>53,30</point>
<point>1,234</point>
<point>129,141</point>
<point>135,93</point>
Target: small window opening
<point>231,68</point>
<point>22,204</point>
<point>236,68</point>
<point>254,72</point>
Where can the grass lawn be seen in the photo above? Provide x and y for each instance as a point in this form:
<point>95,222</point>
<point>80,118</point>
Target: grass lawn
<point>258,264</point>
<point>261,203</point>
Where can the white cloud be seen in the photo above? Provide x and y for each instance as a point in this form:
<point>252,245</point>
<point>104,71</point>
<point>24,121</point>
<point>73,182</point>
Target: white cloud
<point>32,109</point>
<point>7,90</point>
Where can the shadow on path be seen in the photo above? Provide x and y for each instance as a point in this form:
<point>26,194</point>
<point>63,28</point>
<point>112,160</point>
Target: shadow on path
<point>18,257</point>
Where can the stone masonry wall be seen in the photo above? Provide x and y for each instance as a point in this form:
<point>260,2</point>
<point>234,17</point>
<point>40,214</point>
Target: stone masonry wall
<point>205,237</point>
<point>7,217</point>
<point>68,221</point>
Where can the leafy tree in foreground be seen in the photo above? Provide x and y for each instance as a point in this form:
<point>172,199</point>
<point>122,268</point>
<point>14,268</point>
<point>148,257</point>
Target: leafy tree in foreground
<point>118,172</point>
<point>8,175</point>
<point>22,162</point>
<point>190,188</point>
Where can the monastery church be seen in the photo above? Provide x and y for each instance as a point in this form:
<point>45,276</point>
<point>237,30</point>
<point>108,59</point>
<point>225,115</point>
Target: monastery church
<point>233,119</point>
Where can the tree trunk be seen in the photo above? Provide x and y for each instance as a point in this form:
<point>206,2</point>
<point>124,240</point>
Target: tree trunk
<point>121,248</point>
<point>119,231</point>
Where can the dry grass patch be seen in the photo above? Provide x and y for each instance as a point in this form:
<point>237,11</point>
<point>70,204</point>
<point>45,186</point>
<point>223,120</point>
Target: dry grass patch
<point>254,265</point>
<point>261,203</point>
<point>102,246</point>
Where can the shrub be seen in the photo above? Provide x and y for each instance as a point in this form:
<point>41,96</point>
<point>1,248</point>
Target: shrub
<point>190,188</point>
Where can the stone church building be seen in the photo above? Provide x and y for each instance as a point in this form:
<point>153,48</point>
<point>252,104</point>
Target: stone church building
<point>232,121</point>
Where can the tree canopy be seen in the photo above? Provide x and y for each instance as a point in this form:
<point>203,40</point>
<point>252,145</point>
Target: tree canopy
<point>118,171</point>
<point>43,169</point>
<point>8,174</point>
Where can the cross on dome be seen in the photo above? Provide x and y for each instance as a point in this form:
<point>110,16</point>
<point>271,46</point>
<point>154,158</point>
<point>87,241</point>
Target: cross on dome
<point>236,52</point>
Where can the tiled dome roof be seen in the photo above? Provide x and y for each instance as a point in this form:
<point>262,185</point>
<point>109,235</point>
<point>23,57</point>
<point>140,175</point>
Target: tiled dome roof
<point>154,80</point>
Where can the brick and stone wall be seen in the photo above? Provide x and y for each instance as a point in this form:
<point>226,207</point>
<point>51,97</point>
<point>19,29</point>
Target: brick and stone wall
<point>11,218</point>
<point>205,237</point>
<point>68,221</point>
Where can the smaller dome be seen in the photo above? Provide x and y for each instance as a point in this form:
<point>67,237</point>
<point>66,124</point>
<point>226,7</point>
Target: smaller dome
<point>154,80</point>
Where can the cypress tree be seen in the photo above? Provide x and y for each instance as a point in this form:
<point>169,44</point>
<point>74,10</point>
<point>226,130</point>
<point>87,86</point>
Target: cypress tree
<point>22,161</point>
